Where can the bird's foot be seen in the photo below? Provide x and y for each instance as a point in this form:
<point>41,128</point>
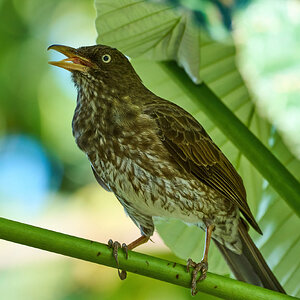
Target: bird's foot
<point>201,266</point>
<point>116,246</point>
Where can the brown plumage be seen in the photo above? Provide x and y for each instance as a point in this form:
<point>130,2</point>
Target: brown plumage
<point>159,161</point>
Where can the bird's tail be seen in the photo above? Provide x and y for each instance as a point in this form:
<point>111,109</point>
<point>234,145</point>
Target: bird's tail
<point>250,266</point>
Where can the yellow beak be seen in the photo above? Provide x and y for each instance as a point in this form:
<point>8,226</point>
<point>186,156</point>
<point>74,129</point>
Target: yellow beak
<point>73,62</point>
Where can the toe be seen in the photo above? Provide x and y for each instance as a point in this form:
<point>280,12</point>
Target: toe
<point>125,248</point>
<point>203,269</point>
<point>190,263</point>
<point>200,267</point>
<point>110,243</point>
<point>194,290</point>
<point>116,246</point>
<point>122,274</point>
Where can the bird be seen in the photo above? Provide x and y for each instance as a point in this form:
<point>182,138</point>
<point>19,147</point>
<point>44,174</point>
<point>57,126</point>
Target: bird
<point>159,161</point>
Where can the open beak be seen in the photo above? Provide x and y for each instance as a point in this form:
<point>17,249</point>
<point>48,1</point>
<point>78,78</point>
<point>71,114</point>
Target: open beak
<point>73,62</point>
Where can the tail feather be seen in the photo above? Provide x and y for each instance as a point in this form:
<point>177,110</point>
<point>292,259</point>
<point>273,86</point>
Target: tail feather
<point>250,266</point>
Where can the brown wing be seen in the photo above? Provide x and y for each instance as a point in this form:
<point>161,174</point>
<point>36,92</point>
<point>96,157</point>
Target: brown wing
<point>195,151</point>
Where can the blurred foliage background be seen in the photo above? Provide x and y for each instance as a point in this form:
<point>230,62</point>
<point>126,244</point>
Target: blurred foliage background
<point>46,181</point>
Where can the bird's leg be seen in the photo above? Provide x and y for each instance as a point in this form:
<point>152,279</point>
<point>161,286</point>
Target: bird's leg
<point>141,240</point>
<point>203,265</point>
<point>116,245</point>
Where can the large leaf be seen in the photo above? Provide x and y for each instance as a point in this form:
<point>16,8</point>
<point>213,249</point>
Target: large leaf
<point>144,30</point>
<point>152,31</point>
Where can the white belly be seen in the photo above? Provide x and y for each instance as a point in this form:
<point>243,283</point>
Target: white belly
<point>154,196</point>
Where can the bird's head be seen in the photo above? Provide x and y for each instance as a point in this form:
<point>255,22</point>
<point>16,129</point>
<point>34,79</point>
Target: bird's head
<point>96,65</point>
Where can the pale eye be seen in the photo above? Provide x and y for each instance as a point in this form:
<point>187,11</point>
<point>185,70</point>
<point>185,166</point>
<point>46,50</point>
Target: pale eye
<point>106,58</point>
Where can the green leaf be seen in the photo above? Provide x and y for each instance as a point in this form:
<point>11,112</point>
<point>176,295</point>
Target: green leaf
<point>144,30</point>
<point>150,31</point>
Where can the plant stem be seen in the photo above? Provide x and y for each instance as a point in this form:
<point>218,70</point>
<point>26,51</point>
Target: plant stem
<point>138,263</point>
<point>286,185</point>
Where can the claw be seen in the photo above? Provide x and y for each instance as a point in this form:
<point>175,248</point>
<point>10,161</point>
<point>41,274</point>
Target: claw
<point>122,274</point>
<point>110,243</point>
<point>189,264</point>
<point>115,246</point>
<point>203,267</point>
<point>125,248</point>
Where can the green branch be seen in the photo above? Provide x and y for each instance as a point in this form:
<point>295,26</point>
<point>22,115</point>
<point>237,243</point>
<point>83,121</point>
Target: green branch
<point>138,263</point>
<point>286,185</point>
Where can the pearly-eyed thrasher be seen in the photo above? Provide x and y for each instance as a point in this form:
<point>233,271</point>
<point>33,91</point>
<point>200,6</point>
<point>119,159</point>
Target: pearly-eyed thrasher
<point>159,161</point>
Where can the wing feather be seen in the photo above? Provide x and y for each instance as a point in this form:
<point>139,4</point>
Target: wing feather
<point>194,150</point>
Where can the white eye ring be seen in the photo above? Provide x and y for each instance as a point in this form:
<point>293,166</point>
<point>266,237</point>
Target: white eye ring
<point>106,58</point>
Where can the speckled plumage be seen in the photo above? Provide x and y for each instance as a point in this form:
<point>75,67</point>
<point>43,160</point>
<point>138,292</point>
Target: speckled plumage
<point>123,132</point>
<point>159,161</point>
